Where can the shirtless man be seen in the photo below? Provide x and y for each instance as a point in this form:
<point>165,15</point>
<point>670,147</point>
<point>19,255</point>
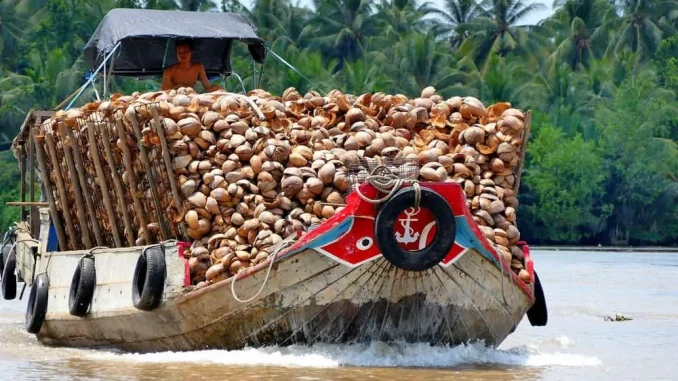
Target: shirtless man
<point>185,73</point>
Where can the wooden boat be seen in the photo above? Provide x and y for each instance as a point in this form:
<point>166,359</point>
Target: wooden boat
<point>333,284</point>
<point>415,268</point>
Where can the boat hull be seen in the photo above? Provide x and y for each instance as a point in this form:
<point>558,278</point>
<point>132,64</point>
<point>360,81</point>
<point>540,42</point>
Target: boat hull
<point>332,285</point>
<point>309,298</point>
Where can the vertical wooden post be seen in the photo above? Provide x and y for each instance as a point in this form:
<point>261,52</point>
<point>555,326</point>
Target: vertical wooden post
<point>80,166</point>
<point>143,154</point>
<point>169,165</point>
<point>32,211</point>
<point>22,168</point>
<point>39,150</point>
<point>101,179</point>
<point>51,147</point>
<point>127,158</point>
<point>79,202</point>
<point>523,149</point>
<point>117,183</point>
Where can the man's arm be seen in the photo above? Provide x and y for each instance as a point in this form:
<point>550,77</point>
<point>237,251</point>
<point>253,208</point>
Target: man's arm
<point>206,82</point>
<point>167,80</point>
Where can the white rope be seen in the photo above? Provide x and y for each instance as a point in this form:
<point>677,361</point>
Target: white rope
<point>247,99</point>
<point>385,181</point>
<point>283,244</point>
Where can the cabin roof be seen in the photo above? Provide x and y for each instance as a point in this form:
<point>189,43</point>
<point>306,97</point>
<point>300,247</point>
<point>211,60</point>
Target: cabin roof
<point>147,40</point>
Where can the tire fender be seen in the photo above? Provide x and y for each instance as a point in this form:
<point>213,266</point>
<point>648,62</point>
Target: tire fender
<point>149,279</point>
<point>443,241</point>
<point>37,304</point>
<point>4,254</point>
<point>9,277</point>
<point>82,287</point>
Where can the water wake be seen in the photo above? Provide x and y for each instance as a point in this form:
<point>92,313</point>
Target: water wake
<point>376,354</point>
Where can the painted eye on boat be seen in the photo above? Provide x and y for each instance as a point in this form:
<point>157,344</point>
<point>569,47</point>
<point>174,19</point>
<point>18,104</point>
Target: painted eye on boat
<point>364,243</point>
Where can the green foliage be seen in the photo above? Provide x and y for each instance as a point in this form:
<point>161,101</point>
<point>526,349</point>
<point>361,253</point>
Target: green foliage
<point>10,189</point>
<point>666,58</point>
<point>641,159</point>
<point>601,77</point>
<point>566,177</point>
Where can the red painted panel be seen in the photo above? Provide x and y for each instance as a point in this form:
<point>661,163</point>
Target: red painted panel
<point>415,229</point>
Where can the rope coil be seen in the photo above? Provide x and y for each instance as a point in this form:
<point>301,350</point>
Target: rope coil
<point>284,244</point>
<point>384,180</point>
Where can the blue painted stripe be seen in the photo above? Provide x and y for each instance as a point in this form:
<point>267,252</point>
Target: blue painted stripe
<point>466,238</point>
<point>333,234</point>
<point>324,239</point>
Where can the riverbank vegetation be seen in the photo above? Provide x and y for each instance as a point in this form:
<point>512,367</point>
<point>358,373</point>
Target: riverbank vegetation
<point>601,77</point>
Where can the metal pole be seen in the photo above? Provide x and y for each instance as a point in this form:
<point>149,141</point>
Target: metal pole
<point>91,79</point>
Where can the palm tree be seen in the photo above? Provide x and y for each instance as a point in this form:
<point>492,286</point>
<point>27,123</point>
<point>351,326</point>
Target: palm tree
<point>639,27</point>
<point>454,14</point>
<point>15,18</point>
<point>496,30</point>
<point>280,22</point>
<point>365,76</point>
<point>418,61</point>
<point>197,5</point>
<point>580,32</point>
<point>398,18</point>
<point>502,79</point>
<point>339,28</point>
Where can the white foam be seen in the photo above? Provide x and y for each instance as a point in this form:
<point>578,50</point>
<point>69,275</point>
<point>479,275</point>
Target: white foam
<point>368,355</point>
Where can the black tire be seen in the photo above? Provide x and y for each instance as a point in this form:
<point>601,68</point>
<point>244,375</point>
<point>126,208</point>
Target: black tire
<point>442,242</point>
<point>538,314</point>
<point>149,279</point>
<point>37,304</point>
<point>9,278</point>
<point>82,287</point>
<point>4,254</point>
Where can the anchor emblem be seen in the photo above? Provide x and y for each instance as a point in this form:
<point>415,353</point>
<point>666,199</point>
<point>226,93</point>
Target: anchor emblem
<point>405,223</point>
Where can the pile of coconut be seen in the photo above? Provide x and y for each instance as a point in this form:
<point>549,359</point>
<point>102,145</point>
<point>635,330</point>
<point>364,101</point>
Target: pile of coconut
<point>240,174</point>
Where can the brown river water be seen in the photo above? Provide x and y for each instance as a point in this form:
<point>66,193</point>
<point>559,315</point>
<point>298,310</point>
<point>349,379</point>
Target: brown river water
<point>577,344</point>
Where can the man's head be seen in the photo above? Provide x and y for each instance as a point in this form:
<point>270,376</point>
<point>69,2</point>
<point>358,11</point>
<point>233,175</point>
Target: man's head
<point>184,50</point>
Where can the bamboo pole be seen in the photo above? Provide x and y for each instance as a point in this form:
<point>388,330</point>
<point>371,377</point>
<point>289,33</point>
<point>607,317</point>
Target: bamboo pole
<point>22,168</point>
<point>127,158</point>
<point>62,190</point>
<point>26,203</point>
<point>526,137</point>
<point>79,202</point>
<point>61,235</point>
<point>169,165</point>
<point>117,183</point>
<point>80,166</point>
<point>32,211</point>
<point>101,179</point>
<point>143,154</point>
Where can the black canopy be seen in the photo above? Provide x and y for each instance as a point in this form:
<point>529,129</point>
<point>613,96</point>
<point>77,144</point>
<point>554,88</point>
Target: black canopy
<point>147,40</point>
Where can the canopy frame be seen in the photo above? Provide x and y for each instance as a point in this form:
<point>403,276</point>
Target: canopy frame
<point>147,39</point>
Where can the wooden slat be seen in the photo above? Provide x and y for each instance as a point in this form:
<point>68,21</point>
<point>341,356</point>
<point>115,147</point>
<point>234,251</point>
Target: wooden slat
<point>51,147</point>
<point>79,202</point>
<point>26,203</point>
<point>127,158</point>
<point>526,137</point>
<point>170,167</point>
<point>22,169</point>
<point>101,180</point>
<point>117,183</point>
<point>89,199</point>
<point>32,210</point>
<point>56,220</point>
<point>143,155</point>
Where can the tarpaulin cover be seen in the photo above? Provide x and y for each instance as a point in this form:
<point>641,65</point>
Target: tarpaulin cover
<point>147,40</point>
